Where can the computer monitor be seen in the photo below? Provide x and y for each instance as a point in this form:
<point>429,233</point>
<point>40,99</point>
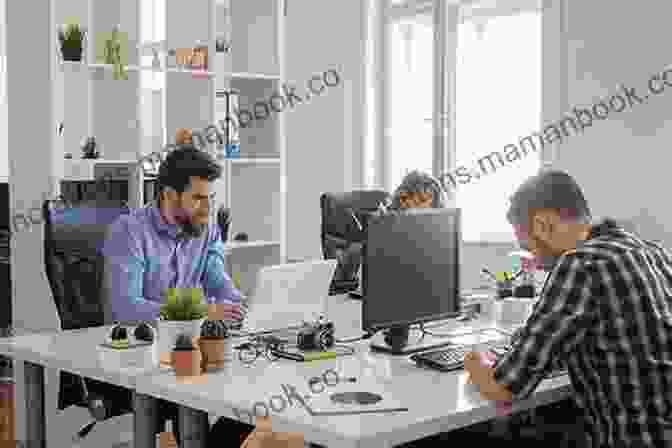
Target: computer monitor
<point>410,276</point>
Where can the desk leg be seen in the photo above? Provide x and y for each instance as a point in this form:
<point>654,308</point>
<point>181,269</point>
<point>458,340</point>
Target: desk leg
<point>194,427</point>
<point>145,420</point>
<point>33,375</point>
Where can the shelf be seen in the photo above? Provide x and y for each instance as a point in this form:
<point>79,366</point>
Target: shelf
<point>136,68</point>
<point>255,161</point>
<point>241,75</point>
<point>231,245</point>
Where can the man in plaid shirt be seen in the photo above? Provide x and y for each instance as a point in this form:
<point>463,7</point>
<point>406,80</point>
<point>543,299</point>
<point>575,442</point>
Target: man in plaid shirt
<point>605,313</point>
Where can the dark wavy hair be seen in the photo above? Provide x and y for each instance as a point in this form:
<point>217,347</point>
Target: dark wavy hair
<point>183,163</point>
<point>419,182</point>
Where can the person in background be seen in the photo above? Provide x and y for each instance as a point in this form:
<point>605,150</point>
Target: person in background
<point>417,190</point>
<point>171,243</point>
<point>605,312</point>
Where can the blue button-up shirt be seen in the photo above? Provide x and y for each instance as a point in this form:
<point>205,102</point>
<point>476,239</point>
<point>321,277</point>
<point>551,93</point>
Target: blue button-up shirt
<point>146,256</point>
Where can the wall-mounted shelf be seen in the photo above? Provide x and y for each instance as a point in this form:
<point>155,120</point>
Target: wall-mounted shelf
<point>141,115</point>
<point>233,245</point>
<point>254,161</point>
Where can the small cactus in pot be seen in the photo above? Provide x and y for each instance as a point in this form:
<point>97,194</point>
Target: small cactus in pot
<point>214,329</point>
<point>214,343</point>
<point>186,357</point>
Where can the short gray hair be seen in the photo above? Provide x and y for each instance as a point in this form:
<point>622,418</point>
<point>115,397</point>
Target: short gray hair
<point>419,182</point>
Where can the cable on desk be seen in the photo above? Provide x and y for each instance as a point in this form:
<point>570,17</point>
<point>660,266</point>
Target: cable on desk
<point>367,335</point>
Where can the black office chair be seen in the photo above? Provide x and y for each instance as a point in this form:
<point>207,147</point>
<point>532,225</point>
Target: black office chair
<point>73,239</point>
<point>224,222</point>
<point>344,220</point>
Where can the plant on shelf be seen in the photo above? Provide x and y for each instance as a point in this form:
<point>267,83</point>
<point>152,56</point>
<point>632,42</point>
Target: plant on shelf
<point>72,38</point>
<point>90,148</point>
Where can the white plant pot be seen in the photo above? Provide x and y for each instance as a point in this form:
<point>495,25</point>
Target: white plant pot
<point>168,330</point>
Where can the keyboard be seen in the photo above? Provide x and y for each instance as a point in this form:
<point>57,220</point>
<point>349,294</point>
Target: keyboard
<point>449,359</point>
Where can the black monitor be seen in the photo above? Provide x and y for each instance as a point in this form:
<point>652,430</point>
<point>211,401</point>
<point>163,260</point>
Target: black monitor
<point>410,276</point>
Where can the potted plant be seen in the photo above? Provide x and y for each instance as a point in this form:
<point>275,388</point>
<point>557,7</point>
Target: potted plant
<point>215,344</point>
<point>72,38</point>
<point>185,357</point>
<point>183,311</point>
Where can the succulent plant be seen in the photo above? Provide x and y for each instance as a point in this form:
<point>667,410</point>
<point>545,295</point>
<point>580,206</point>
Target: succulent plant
<point>71,38</point>
<point>183,342</point>
<point>184,304</point>
<point>214,329</point>
<point>144,332</point>
<point>119,336</point>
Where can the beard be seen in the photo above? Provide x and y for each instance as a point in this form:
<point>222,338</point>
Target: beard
<point>188,227</point>
<point>192,230</point>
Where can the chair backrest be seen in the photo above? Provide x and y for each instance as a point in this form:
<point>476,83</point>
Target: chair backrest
<point>73,242</point>
<point>344,220</point>
<point>224,222</point>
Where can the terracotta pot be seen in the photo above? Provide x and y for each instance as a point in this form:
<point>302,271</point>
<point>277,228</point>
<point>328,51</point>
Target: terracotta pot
<point>187,363</point>
<point>168,330</point>
<point>216,352</point>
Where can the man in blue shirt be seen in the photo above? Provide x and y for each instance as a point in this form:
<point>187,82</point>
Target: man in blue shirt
<point>170,244</point>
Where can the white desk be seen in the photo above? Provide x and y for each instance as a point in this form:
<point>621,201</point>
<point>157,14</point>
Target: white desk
<point>437,402</point>
<point>76,351</point>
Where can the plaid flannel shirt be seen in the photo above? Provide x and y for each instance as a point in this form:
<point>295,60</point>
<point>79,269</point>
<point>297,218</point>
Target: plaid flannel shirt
<point>605,313</point>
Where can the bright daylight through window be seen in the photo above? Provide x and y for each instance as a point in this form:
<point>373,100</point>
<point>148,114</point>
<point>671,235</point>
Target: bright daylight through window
<point>498,101</point>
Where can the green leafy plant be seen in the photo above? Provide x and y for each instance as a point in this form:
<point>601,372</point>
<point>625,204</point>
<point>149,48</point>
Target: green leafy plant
<point>184,304</point>
<point>72,38</point>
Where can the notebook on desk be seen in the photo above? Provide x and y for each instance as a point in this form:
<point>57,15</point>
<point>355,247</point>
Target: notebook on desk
<point>286,295</point>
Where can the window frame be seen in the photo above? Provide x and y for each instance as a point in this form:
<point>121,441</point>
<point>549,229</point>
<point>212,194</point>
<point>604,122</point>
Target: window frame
<point>444,151</point>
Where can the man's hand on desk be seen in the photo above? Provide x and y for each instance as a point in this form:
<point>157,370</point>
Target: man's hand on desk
<point>483,375</point>
<point>226,311</point>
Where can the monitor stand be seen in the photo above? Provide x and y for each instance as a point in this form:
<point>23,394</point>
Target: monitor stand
<point>414,341</point>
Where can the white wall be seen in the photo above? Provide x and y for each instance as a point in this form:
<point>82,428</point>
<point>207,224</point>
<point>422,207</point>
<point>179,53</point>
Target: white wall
<point>621,162</point>
<point>323,135</point>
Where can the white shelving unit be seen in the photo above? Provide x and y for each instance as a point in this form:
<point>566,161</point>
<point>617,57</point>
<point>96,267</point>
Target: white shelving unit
<point>131,119</point>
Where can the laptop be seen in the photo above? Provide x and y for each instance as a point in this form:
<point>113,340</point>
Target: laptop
<point>287,295</point>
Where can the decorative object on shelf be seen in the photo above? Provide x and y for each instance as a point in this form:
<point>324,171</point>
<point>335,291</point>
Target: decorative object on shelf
<point>186,358</point>
<point>90,148</point>
<point>72,38</point>
<point>222,45</point>
<point>156,59</point>
<point>241,237</point>
<point>112,48</point>
<point>231,144</point>
<point>183,311</point>
<point>183,136</point>
<point>199,57</point>
<point>215,344</point>
<point>183,57</point>
<point>67,155</point>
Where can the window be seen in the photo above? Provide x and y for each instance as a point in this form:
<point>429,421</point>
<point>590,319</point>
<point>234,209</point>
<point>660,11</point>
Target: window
<point>498,101</point>
<point>152,83</point>
<point>411,65</point>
